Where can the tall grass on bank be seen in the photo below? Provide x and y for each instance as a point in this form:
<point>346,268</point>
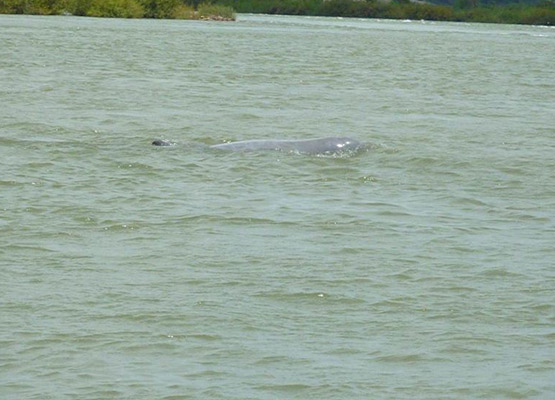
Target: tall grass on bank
<point>540,14</point>
<point>171,9</point>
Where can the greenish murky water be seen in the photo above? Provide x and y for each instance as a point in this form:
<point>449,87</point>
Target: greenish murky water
<point>422,268</point>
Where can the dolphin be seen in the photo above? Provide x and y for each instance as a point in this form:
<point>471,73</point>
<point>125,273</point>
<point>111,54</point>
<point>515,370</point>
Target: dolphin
<point>328,145</point>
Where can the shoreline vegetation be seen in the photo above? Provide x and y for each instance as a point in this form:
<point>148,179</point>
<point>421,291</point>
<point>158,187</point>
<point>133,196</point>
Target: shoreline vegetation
<point>540,13</point>
<point>161,9</point>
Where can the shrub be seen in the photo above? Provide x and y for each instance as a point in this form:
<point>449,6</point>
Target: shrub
<point>539,16</point>
<point>49,7</point>
<point>215,11</point>
<point>159,8</point>
<point>13,6</point>
<point>183,11</point>
<point>80,7</point>
<point>39,7</point>
<point>115,9</point>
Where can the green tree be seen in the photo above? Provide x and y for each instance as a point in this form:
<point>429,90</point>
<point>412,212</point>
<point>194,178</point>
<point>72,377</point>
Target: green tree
<point>160,8</point>
<point>115,9</point>
<point>466,4</point>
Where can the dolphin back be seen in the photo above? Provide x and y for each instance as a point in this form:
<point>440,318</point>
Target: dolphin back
<point>328,145</point>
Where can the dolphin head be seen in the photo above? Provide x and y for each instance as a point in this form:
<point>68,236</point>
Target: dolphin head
<point>161,142</point>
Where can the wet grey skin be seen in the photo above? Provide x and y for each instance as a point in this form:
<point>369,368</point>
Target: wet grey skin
<point>327,145</point>
<point>161,142</point>
<point>309,146</point>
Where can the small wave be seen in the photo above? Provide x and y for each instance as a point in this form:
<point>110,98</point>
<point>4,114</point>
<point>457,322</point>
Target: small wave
<point>291,387</point>
<point>401,358</point>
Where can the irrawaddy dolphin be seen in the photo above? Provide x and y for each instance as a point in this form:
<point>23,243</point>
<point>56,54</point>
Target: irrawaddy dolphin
<point>328,145</point>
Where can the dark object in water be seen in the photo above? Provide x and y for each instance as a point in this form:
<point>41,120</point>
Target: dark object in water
<point>161,142</point>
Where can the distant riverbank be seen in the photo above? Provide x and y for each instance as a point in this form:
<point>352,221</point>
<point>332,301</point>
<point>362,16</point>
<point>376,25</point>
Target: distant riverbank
<point>542,13</point>
<point>462,10</point>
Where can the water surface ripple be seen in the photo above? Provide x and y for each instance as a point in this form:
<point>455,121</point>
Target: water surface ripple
<point>421,268</point>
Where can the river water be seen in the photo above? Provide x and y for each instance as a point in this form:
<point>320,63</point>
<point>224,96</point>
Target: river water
<point>422,267</point>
